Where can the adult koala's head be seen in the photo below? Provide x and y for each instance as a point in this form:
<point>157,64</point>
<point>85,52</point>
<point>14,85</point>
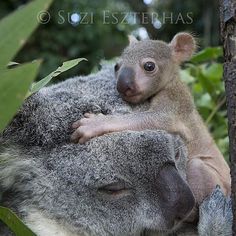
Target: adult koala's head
<point>118,184</point>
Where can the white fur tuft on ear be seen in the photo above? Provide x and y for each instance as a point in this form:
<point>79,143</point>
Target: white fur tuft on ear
<point>183,45</point>
<point>132,39</point>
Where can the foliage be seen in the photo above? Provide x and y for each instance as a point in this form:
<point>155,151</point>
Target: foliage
<point>176,16</point>
<point>14,84</point>
<point>59,39</point>
<point>11,219</point>
<point>11,45</point>
<point>204,76</point>
<point>65,67</point>
<point>208,54</point>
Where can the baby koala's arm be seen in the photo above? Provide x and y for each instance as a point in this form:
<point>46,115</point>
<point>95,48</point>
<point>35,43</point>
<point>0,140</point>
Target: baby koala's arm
<point>96,125</point>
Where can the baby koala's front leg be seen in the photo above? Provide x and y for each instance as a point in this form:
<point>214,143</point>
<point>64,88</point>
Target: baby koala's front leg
<point>94,125</point>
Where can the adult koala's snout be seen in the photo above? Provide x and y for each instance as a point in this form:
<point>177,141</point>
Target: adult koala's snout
<point>175,194</point>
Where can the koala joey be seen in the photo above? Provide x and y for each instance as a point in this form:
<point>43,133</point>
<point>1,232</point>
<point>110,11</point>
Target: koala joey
<point>148,70</point>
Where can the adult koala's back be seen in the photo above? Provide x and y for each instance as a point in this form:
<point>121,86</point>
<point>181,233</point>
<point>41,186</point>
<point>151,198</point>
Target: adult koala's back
<point>46,117</point>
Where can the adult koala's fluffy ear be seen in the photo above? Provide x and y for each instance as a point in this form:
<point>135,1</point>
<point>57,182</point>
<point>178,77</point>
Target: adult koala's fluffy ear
<point>216,217</point>
<point>15,172</point>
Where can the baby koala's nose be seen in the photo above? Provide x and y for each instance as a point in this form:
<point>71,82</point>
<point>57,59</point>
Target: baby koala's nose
<point>125,81</point>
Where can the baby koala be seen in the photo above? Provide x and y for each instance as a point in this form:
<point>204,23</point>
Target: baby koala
<point>149,70</point>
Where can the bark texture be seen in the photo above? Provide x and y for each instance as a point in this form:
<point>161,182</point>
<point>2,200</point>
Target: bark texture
<point>228,34</point>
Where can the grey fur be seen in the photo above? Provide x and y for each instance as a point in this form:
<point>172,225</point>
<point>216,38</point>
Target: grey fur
<point>46,117</point>
<point>41,169</point>
<point>216,215</point>
<point>62,182</point>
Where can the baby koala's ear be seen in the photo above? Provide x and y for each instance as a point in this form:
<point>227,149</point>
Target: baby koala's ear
<point>132,39</point>
<point>183,45</point>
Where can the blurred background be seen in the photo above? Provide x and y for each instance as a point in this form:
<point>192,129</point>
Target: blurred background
<point>98,29</point>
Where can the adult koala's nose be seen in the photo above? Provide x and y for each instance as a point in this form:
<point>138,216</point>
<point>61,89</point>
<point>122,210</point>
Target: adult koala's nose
<point>125,81</point>
<point>176,197</point>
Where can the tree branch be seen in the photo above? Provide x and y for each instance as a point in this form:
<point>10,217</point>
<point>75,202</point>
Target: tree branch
<point>228,34</point>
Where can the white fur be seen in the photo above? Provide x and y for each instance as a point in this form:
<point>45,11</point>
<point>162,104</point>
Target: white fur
<point>43,226</point>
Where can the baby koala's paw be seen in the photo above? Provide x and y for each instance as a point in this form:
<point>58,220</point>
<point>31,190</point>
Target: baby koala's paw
<point>89,127</point>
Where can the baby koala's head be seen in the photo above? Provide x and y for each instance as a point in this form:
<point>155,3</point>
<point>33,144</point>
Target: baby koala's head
<point>146,66</point>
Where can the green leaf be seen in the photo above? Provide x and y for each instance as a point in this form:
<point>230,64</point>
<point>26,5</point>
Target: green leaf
<point>205,101</point>
<point>197,89</point>
<point>210,53</point>
<point>16,28</point>
<point>214,72</point>
<point>14,84</point>
<point>14,223</point>
<point>65,66</point>
<point>207,84</point>
<point>186,76</point>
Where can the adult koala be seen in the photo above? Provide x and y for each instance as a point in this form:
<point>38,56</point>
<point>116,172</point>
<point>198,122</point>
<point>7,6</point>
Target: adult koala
<point>120,184</point>
<point>107,187</point>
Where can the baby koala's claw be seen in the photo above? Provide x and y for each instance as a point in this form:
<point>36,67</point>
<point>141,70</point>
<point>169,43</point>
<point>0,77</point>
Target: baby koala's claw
<point>89,115</point>
<point>88,127</point>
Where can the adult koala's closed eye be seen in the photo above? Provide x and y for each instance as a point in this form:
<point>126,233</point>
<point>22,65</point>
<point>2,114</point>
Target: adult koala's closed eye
<point>106,187</point>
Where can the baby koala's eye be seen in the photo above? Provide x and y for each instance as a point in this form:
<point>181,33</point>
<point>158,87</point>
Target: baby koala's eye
<point>149,66</point>
<point>116,67</point>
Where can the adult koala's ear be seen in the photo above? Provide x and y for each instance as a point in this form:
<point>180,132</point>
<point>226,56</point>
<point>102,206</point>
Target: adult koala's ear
<point>183,45</point>
<point>17,173</point>
<point>132,40</point>
<point>216,215</point>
